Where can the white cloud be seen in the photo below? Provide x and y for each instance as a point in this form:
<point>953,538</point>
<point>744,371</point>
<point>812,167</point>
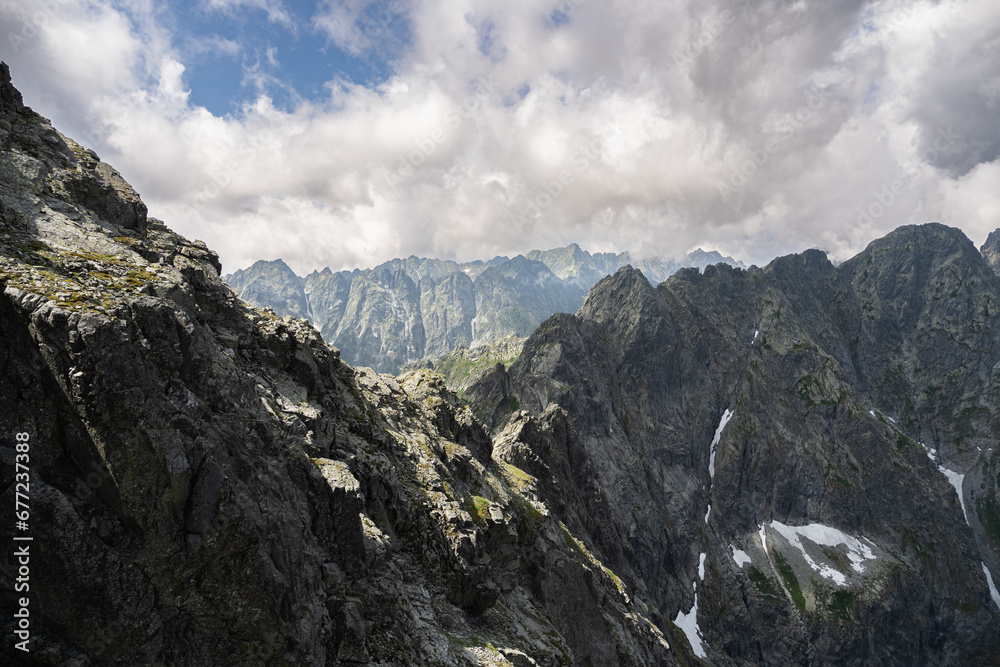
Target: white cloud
<point>212,45</point>
<point>275,9</point>
<point>754,128</point>
<point>362,27</point>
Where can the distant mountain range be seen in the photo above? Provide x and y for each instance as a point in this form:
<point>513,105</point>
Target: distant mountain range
<point>411,309</point>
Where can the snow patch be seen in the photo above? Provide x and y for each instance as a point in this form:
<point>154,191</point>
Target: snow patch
<point>993,587</point>
<point>817,533</point>
<point>741,557</point>
<point>871,412</point>
<point>763,537</point>
<point>726,416</point>
<point>756,335</point>
<point>708,513</point>
<point>701,567</point>
<point>954,478</point>
<point>956,481</point>
<point>688,623</point>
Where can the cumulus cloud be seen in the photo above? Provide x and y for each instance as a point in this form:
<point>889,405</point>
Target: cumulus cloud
<point>757,128</point>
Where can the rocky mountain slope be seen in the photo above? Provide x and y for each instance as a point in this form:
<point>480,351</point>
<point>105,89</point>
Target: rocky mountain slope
<point>275,283</point>
<point>417,309</point>
<point>463,367</point>
<point>796,464</point>
<point>210,484</point>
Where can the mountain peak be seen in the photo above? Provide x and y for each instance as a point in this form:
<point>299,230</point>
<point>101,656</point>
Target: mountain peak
<point>617,294</point>
<point>489,300</point>
<point>933,237</point>
<point>10,97</point>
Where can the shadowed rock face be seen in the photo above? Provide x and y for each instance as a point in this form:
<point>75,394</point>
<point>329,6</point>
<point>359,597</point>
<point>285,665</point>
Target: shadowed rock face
<point>210,484</point>
<point>785,423</point>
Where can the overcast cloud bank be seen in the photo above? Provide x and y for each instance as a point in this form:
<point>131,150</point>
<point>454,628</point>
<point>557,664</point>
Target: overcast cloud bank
<point>753,128</point>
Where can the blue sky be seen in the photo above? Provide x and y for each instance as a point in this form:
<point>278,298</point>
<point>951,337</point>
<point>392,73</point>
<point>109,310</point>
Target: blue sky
<point>250,52</point>
<point>348,132</point>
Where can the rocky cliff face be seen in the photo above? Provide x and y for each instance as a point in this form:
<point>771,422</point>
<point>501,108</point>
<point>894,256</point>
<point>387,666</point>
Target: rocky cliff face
<point>210,484</point>
<point>459,306</point>
<point>795,464</point>
<point>382,325</point>
<point>274,283</point>
<point>327,294</point>
<point>515,297</point>
<point>448,309</point>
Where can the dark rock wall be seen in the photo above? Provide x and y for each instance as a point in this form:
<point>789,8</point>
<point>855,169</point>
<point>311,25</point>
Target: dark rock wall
<point>839,380</point>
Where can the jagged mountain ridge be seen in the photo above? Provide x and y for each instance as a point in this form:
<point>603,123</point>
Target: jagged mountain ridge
<point>210,484</point>
<point>414,309</point>
<point>795,464</point>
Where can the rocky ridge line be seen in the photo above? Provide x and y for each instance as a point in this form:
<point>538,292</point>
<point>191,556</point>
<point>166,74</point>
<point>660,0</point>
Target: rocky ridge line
<point>417,310</point>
